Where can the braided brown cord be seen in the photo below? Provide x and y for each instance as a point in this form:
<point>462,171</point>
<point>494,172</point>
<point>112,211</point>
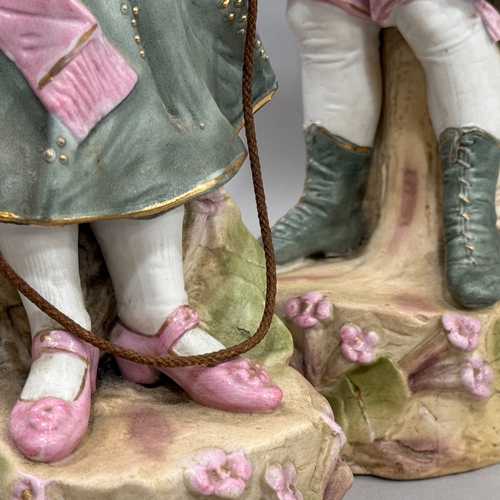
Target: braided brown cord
<point>224,354</point>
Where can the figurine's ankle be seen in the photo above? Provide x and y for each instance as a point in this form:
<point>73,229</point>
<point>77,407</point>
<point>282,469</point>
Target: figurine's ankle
<point>196,341</point>
<point>57,375</point>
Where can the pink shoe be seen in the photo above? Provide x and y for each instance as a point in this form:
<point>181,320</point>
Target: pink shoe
<point>50,429</point>
<point>237,385</point>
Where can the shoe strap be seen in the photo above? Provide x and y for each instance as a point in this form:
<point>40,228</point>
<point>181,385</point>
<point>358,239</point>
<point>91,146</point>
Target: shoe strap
<point>183,319</point>
<point>60,341</point>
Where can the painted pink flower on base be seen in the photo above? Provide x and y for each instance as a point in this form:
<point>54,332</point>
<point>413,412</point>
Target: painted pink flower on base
<point>476,376</point>
<point>357,345</point>
<point>213,472</point>
<point>462,331</point>
<point>281,479</point>
<point>307,309</point>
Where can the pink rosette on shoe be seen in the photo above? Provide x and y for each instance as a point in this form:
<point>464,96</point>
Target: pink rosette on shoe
<point>239,385</point>
<point>50,429</point>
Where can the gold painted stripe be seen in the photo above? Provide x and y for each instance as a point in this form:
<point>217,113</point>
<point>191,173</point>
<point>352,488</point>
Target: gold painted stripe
<point>64,61</point>
<point>343,145</point>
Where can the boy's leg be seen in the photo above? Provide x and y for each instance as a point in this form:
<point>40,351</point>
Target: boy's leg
<point>460,59</point>
<point>144,258</point>
<point>342,94</point>
<point>462,65</point>
<point>341,75</point>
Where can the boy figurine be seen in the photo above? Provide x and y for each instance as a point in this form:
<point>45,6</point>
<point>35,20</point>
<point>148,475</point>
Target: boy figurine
<point>454,40</point>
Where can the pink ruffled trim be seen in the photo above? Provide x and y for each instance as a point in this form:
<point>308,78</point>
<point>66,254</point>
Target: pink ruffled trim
<point>95,81</point>
<point>36,34</point>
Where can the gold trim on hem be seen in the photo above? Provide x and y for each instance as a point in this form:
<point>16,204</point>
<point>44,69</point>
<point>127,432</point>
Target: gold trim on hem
<point>145,212</point>
<point>256,108</point>
<point>152,210</point>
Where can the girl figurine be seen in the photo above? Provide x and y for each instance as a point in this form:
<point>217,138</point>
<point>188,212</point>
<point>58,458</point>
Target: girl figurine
<point>117,113</point>
<point>454,40</point>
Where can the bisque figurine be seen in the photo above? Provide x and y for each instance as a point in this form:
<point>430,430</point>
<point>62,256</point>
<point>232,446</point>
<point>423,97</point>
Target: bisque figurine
<point>454,40</point>
<point>116,114</point>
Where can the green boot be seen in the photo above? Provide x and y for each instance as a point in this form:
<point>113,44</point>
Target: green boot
<point>470,159</point>
<point>327,218</point>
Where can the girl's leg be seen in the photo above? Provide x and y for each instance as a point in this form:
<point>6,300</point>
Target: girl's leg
<point>342,94</point>
<point>47,258</point>
<point>144,258</point>
<point>51,416</point>
<point>462,66</point>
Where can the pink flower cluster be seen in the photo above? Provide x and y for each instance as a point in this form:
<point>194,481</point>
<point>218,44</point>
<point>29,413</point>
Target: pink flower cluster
<point>357,345</point>
<point>213,472</point>
<point>249,373</point>
<point>463,331</point>
<point>307,309</point>
<point>476,376</point>
<point>281,479</point>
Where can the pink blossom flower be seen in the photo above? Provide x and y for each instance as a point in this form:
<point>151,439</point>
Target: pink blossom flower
<point>307,309</point>
<point>213,472</point>
<point>357,345</point>
<point>476,376</point>
<point>463,331</point>
<point>209,204</point>
<point>281,479</point>
<point>249,373</point>
<point>329,419</point>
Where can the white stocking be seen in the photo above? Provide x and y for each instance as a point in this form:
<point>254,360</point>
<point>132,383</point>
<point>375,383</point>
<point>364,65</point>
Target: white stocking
<point>47,258</point>
<point>341,76</point>
<point>460,60</point>
<point>144,258</point>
